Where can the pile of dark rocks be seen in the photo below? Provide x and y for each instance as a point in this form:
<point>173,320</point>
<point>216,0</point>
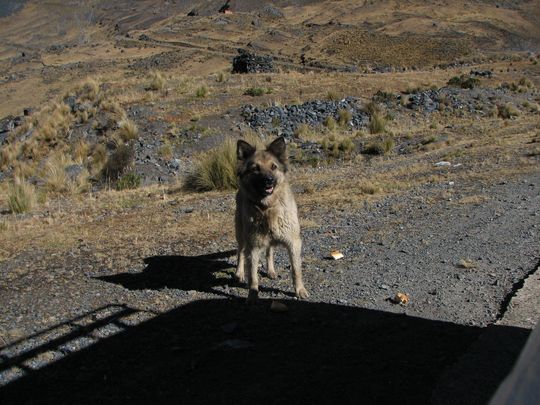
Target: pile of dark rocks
<point>247,62</point>
<point>284,120</point>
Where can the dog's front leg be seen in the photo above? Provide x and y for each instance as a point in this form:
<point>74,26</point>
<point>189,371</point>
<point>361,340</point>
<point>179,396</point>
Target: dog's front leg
<point>271,271</point>
<point>295,250</point>
<point>240,273</point>
<point>253,275</point>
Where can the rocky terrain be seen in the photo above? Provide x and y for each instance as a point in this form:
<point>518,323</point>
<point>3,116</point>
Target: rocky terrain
<point>414,145</point>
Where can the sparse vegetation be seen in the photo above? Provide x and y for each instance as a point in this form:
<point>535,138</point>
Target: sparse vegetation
<point>118,162</point>
<point>345,116</point>
<point>21,196</point>
<point>257,91</point>
<point>128,181</point>
<point>507,111</point>
<point>380,147</point>
<point>157,81</point>
<point>201,92</point>
<point>377,123</point>
<point>127,130</point>
<point>464,81</point>
<point>215,169</point>
<point>330,123</point>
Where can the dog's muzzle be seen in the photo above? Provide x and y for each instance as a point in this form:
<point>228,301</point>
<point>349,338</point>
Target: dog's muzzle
<point>269,184</point>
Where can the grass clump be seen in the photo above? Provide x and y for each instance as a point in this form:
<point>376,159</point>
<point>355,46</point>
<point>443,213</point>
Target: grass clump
<point>201,92</point>
<point>215,169</point>
<point>464,81</point>
<point>118,162</point>
<point>380,147</point>
<point>344,117</point>
<point>330,123</point>
<point>377,123</point>
<point>129,181</point>
<point>332,96</point>
<point>127,130</point>
<point>166,151</point>
<point>21,196</point>
<point>257,91</point>
<point>507,111</point>
<point>157,81</point>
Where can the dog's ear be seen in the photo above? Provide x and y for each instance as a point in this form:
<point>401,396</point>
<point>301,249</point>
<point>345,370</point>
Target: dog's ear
<point>278,148</point>
<point>244,150</point>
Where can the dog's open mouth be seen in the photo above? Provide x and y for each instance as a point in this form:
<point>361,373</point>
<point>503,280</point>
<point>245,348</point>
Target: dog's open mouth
<point>269,190</point>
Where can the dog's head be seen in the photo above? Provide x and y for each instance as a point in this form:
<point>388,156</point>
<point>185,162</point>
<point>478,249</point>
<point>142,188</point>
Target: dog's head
<point>260,172</point>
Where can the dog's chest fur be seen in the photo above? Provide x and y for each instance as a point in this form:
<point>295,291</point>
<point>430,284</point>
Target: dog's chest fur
<point>273,224</point>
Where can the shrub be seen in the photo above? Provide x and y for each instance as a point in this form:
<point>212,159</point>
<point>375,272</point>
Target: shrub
<point>381,147</point>
<point>345,116</point>
<point>346,145</point>
<point>215,169</point>
<point>88,91</point>
<point>220,78</point>
<point>464,82</point>
<point>21,196</point>
<point>371,108</point>
<point>201,92</point>
<point>127,130</point>
<point>157,81</point>
<point>507,111</point>
<point>332,96</point>
<point>118,162</point>
<point>377,123</point>
<point>129,181</point>
<point>257,91</point>
<point>54,175</point>
<point>166,151</point>
<point>330,123</point>
<point>526,83</point>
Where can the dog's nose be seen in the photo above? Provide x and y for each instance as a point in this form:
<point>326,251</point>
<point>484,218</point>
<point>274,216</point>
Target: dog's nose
<point>269,180</point>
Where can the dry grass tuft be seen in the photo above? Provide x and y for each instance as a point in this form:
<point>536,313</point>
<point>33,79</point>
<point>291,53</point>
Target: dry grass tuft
<point>127,130</point>
<point>507,111</point>
<point>377,123</point>
<point>215,169</point>
<point>21,196</point>
<point>157,81</point>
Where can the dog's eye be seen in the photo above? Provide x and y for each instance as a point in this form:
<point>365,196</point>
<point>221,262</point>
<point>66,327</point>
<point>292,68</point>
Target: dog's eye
<point>274,166</point>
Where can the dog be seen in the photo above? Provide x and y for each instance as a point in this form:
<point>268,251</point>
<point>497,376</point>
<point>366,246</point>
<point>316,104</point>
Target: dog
<point>266,215</point>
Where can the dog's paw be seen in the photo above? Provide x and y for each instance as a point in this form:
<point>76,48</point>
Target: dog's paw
<point>302,293</point>
<point>240,277</point>
<point>252,297</point>
<point>271,274</point>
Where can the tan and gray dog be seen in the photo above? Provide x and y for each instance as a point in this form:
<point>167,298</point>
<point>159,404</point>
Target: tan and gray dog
<point>266,215</point>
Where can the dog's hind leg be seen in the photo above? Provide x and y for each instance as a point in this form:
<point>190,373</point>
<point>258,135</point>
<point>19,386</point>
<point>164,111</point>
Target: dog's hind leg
<point>253,275</point>
<point>240,274</point>
<point>295,248</point>
<point>270,263</point>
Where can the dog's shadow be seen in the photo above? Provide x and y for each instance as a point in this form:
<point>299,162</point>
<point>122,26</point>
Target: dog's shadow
<point>205,273</point>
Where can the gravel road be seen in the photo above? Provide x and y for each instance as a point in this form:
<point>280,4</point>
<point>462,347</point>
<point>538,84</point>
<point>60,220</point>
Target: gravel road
<point>174,329</point>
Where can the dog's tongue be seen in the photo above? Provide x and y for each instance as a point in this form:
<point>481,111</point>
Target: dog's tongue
<point>269,190</point>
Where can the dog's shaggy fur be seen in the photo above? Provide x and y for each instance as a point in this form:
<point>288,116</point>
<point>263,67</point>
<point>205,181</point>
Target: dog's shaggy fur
<point>266,214</point>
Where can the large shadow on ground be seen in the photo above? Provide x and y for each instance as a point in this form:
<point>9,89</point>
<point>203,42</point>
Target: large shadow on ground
<point>175,271</point>
<point>222,351</point>
<point>204,273</point>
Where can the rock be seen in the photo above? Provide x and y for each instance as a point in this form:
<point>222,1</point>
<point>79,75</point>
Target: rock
<point>442,164</point>
<point>270,11</point>
<point>286,119</point>
<point>247,62</point>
